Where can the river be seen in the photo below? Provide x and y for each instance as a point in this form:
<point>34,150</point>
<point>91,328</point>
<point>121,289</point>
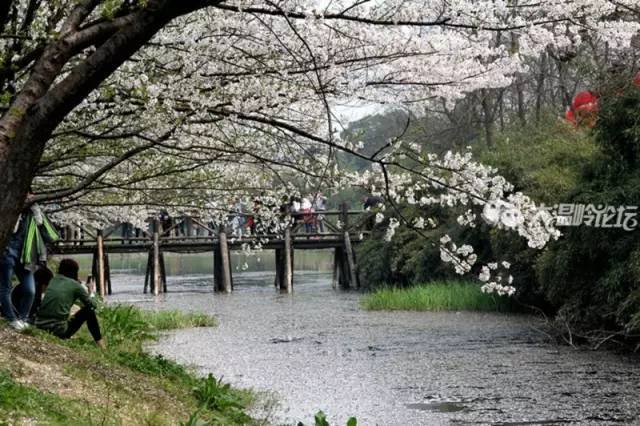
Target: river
<point>316,349</point>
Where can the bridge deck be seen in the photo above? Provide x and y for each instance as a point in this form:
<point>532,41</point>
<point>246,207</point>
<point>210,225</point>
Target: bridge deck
<point>201,244</point>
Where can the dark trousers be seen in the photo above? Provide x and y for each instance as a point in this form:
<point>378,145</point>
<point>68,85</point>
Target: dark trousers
<point>23,294</point>
<point>37,300</point>
<point>87,315</point>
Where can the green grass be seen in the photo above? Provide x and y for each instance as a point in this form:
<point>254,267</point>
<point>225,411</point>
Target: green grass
<point>119,376</point>
<point>170,320</point>
<point>17,400</point>
<point>436,296</point>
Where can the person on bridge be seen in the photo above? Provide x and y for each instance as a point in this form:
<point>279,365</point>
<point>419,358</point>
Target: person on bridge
<point>372,201</point>
<point>25,251</point>
<point>319,205</point>
<point>63,292</point>
<point>308,216</point>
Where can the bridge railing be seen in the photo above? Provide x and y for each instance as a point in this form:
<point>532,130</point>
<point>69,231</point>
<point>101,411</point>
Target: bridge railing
<point>319,224</point>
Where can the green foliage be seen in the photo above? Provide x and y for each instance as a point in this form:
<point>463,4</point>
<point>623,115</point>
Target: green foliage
<point>127,324</point>
<point>320,419</point>
<point>16,398</point>
<point>592,275</point>
<point>110,8</point>
<point>124,324</point>
<point>126,328</point>
<point>543,161</point>
<point>437,296</point>
<point>170,320</point>
<point>216,395</point>
<point>155,365</point>
<point>406,259</point>
<point>375,132</point>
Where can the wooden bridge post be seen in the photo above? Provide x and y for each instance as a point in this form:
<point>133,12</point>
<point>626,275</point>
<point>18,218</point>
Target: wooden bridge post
<point>107,273</point>
<point>344,216</point>
<point>287,285</point>
<point>225,263</point>
<point>217,270</point>
<point>100,263</point>
<point>351,261</point>
<point>147,275</point>
<point>163,273</point>
<point>155,271</point>
<point>336,269</point>
<point>279,260</point>
<point>340,269</point>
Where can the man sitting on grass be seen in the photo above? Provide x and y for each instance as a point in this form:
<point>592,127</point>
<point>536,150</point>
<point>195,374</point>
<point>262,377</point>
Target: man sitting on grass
<point>63,291</point>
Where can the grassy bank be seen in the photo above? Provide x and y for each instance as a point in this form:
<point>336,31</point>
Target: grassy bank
<point>44,380</point>
<point>436,296</point>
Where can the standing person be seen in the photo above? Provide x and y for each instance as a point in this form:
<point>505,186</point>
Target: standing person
<point>26,249</point>
<point>371,201</point>
<point>256,222</point>
<point>238,218</point>
<point>165,221</point>
<point>308,216</point>
<point>63,292</point>
<point>42,276</point>
<point>126,232</point>
<point>319,205</point>
<point>294,210</point>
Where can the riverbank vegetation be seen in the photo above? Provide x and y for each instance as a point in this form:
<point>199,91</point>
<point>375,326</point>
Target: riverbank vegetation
<point>436,296</point>
<point>587,282</point>
<point>44,380</point>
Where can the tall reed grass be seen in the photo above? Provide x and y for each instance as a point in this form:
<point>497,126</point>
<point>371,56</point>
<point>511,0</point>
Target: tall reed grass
<point>437,296</point>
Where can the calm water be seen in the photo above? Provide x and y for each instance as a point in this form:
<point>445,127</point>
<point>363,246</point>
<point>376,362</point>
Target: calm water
<point>317,350</point>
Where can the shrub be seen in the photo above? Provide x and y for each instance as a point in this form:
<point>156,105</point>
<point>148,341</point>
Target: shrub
<point>592,275</point>
<point>216,395</point>
<point>544,161</point>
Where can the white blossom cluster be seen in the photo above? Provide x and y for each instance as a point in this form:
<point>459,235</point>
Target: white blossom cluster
<point>456,181</point>
<point>462,258</point>
<point>234,101</point>
<point>495,280</point>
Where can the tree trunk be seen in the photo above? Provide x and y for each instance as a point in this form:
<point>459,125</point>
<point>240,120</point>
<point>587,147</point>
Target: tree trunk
<point>540,89</point>
<point>487,118</point>
<point>16,172</point>
<point>522,115</point>
<point>40,106</point>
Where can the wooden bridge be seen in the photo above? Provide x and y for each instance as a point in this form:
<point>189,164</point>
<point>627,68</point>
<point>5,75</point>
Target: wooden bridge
<point>344,229</point>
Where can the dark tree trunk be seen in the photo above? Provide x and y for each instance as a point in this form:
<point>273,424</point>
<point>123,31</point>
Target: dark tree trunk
<point>522,115</point>
<point>487,118</point>
<point>540,89</point>
<point>40,106</point>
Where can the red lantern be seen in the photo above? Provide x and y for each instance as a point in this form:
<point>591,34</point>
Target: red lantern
<point>636,80</point>
<point>583,98</point>
<point>584,109</point>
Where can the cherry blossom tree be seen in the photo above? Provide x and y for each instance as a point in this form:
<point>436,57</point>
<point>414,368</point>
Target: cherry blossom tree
<point>103,100</point>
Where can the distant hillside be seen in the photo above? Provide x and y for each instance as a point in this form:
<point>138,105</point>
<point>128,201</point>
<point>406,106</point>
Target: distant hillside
<point>374,131</point>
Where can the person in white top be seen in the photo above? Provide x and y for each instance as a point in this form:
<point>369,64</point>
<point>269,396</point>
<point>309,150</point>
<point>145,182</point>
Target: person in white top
<point>319,205</point>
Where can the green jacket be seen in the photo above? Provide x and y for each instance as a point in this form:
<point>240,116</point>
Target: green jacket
<point>60,296</point>
<point>37,231</point>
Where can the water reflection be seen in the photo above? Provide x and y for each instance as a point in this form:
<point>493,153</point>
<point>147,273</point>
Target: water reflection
<point>202,263</point>
<point>317,350</point>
